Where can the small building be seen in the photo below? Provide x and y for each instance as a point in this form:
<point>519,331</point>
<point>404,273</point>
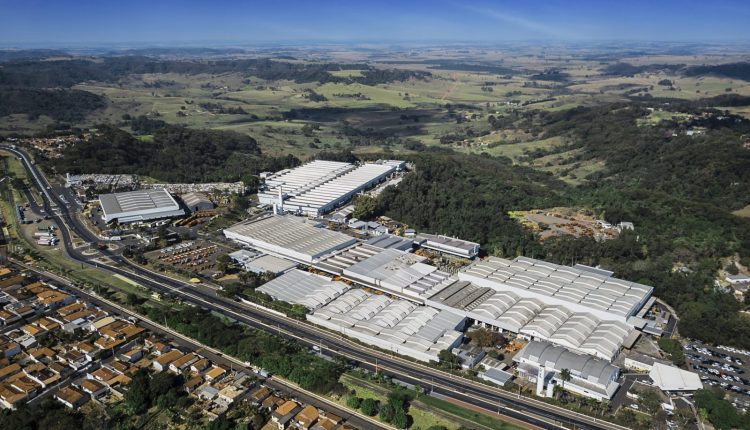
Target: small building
<point>285,413</point>
<point>468,356</point>
<point>673,379</point>
<point>306,417</point>
<point>164,360</point>
<point>738,279</point>
<point>496,376</point>
<point>640,362</point>
<point>71,397</point>
<point>197,202</point>
<point>449,245</point>
<point>93,388</point>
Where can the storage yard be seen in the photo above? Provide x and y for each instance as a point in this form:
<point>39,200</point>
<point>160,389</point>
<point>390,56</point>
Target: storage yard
<point>193,256</point>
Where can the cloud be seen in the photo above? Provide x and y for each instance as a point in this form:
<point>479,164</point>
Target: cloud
<point>519,21</point>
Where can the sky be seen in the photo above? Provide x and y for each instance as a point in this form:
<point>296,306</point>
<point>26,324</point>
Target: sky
<point>92,23</point>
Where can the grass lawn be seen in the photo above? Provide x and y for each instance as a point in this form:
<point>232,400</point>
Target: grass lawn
<point>473,416</point>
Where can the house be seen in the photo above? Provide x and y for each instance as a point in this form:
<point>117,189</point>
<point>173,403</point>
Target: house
<point>7,317</point>
<point>228,394</point>
<point>257,396</point>
<point>738,279</point>
<point>42,354</point>
<point>208,393</point>
<point>164,360</point>
<point>9,348</point>
<point>324,423</point>
<point>469,356</point>
<point>11,398</point>
<point>306,417</point>
<point>215,374</point>
<point>191,384</point>
<point>133,355</point>
<point>285,413</point>
<point>71,397</point>
<point>200,365</point>
<point>161,348</point>
<point>182,363</point>
<point>102,375</point>
<point>271,402</point>
<point>53,299</point>
<point>9,371</point>
<point>93,388</point>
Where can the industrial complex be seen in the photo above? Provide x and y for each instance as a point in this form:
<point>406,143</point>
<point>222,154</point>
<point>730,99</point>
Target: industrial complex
<point>318,187</point>
<point>139,205</point>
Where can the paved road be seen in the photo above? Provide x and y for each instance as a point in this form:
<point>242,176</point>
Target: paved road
<point>529,410</point>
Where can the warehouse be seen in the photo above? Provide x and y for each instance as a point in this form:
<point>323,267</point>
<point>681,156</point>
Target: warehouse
<point>390,270</point>
<point>302,288</point>
<point>261,263</point>
<point>531,318</point>
<point>317,188</point>
<point>605,297</point>
<point>448,245</point>
<point>297,239</point>
<point>393,325</point>
<point>197,202</point>
<point>139,205</point>
<point>542,362</point>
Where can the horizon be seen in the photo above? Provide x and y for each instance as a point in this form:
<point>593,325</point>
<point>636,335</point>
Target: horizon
<point>226,23</point>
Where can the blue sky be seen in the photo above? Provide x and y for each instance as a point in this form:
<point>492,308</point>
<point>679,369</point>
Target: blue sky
<point>88,22</point>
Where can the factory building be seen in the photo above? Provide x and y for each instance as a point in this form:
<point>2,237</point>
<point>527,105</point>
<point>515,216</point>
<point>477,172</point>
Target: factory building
<point>197,202</point>
<point>142,205</point>
<point>297,239</point>
<point>583,311</point>
<point>302,288</point>
<point>397,272</point>
<point>261,263</point>
<point>393,325</point>
<point>542,362</point>
<point>318,187</point>
<point>448,245</point>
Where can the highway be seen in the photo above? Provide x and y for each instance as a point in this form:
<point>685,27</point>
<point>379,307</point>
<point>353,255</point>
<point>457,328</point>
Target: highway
<point>528,410</point>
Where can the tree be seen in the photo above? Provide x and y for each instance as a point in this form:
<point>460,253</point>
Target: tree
<point>364,207</point>
<point>400,420</point>
<point>368,406</point>
<point>447,360</point>
<point>387,412</point>
<point>564,377</point>
<point>137,397</point>
<point>650,401</point>
<point>486,338</point>
<point>353,402</point>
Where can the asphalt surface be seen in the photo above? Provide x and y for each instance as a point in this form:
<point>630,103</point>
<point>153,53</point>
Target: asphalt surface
<point>492,399</point>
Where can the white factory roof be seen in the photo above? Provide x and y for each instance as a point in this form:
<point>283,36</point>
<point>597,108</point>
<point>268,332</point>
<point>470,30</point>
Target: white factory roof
<point>302,288</point>
<point>580,331</point>
<point>341,186</point>
<point>671,378</point>
<point>449,244</point>
<point>307,176</point>
<point>584,367</point>
<point>139,205</point>
<point>605,296</point>
<point>387,269</point>
<point>296,238</point>
<point>400,326</point>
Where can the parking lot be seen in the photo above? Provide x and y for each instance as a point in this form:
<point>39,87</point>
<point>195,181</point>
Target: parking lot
<point>723,367</point>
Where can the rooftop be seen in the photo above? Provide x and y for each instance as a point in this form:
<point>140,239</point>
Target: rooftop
<point>141,204</point>
<point>290,236</point>
<point>307,289</point>
<point>586,367</point>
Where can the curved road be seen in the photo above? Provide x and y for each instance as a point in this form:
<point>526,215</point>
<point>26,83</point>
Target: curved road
<point>525,409</point>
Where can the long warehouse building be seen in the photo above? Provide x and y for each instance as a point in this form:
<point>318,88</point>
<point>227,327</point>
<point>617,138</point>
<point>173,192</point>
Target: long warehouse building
<point>400,326</point>
<point>142,205</point>
<point>318,187</point>
<point>583,311</point>
<point>298,239</point>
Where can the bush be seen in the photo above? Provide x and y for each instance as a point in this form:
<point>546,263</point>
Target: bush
<point>353,402</point>
<point>368,407</point>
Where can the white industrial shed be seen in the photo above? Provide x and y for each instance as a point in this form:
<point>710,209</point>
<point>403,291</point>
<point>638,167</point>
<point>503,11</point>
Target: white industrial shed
<point>605,297</point>
<point>139,205</point>
<point>530,317</point>
<point>448,245</point>
<point>674,379</point>
<point>295,238</point>
<point>302,288</point>
<point>400,326</point>
<point>390,270</point>
<point>589,376</point>
<point>318,187</point>
<point>197,202</point>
